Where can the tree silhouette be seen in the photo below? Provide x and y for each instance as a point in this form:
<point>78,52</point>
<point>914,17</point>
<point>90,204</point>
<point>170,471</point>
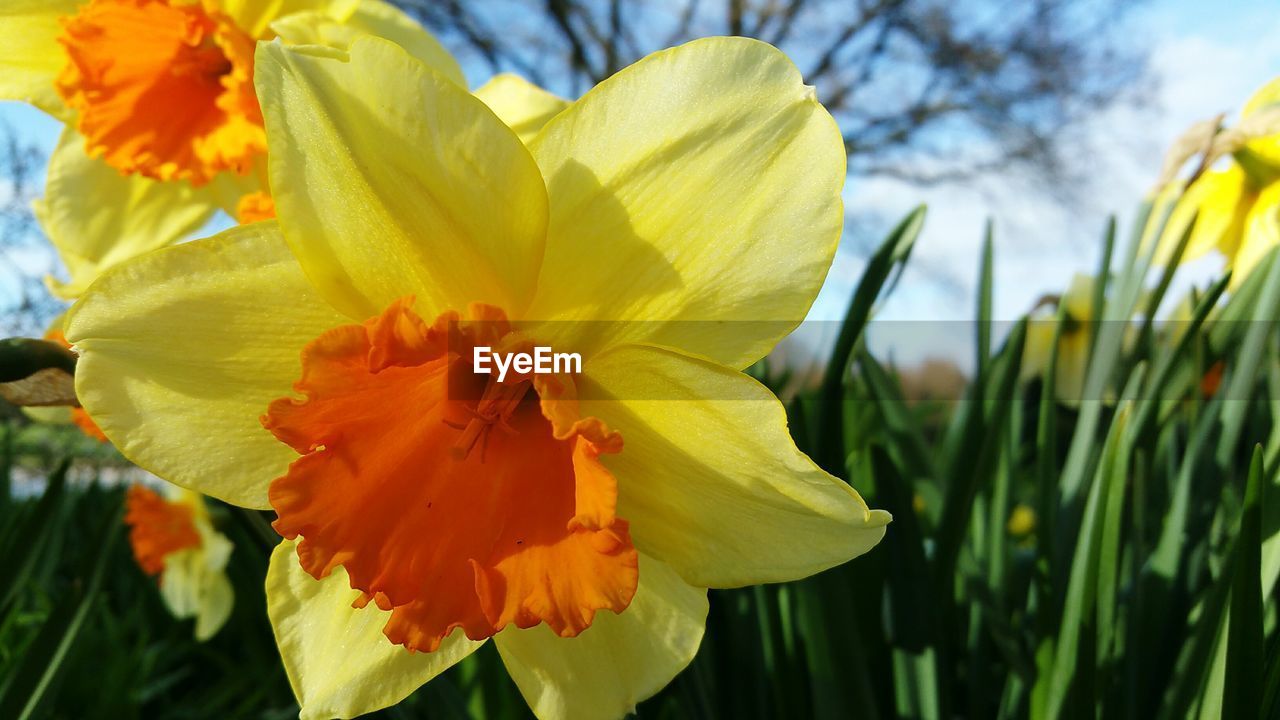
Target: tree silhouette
<point>925,90</point>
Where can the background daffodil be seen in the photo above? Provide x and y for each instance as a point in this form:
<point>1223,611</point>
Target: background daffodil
<point>1237,207</point>
<point>163,126</point>
<point>670,226</point>
<point>1022,521</point>
<point>1073,344</point>
<point>173,539</point>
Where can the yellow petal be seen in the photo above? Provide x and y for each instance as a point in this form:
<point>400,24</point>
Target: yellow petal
<point>179,583</point>
<point>51,415</point>
<point>1221,199</point>
<point>1078,298</point>
<point>1181,207</point>
<point>1073,345</point>
<point>254,16</point>
<point>337,659</point>
<point>404,185</point>
<point>1261,234</point>
<point>215,607</point>
<point>372,17</point>
<point>710,479</point>
<point>30,56</point>
<point>227,188</point>
<point>126,216</point>
<point>1073,363</point>
<point>1262,155</point>
<point>618,661</point>
<point>701,183</point>
<point>181,351</point>
<point>1265,96</point>
<point>523,106</point>
<point>1038,346</point>
<point>194,583</point>
<point>1265,148</point>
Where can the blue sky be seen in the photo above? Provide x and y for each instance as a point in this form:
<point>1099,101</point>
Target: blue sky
<point>1206,58</point>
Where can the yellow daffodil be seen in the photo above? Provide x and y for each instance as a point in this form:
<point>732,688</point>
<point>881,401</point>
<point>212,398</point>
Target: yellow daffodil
<point>1236,208</point>
<point>163,125</point>
<point>1073,347</point>
<point>668,228</point>
<point>174,540</point>
<point>126,216</point>
<point>1022,521</point>
<point>918,504</point>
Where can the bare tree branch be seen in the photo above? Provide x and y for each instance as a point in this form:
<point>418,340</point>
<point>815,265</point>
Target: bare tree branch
<point>899,75</point>
<point>26,306</point>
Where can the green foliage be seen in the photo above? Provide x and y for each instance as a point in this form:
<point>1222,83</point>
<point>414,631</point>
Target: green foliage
<point>1145,590</point>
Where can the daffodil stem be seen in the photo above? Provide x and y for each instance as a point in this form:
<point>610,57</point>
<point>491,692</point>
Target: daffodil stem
<point>258,526</point>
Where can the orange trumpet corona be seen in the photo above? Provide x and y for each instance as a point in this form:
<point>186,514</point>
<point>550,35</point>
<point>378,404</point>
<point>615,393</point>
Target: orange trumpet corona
<point>162,88</point>
<point>450,498</point>
<point>157,527</point>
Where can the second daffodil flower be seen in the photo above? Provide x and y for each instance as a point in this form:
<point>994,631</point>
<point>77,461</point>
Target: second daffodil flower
<point>162,123</point>
<point>669,227</point>
<point>174,539</point>
<point>1074,339</point>
<point>1236,208</point>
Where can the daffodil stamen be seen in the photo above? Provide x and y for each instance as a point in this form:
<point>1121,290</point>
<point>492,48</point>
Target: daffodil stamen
<point>494,409</point>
